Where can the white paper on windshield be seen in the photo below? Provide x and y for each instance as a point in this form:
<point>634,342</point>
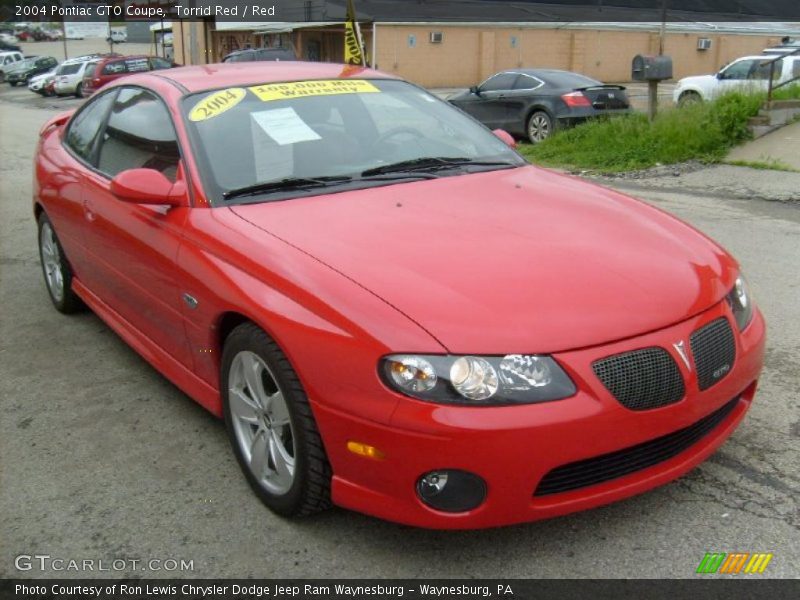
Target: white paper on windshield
<point>271,161</point>
<point>285,126</point>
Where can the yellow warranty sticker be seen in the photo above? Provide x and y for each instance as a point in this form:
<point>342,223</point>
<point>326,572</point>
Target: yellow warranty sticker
<point>301,89</point>
<point>217,103</point>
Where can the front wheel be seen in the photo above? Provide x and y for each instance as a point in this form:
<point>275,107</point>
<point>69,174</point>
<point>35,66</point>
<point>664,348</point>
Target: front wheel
<point>540,126</point>
<point>271,427</point>
<point>688,99</point>
<point>56,269</point>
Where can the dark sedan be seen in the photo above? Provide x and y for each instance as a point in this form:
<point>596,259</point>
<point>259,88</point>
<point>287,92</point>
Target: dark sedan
<point>533,103</point>
<point>25,69</point>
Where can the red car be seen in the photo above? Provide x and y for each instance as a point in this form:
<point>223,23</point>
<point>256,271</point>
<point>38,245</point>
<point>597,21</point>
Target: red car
<point>115,66</point>
<point>390,308</point>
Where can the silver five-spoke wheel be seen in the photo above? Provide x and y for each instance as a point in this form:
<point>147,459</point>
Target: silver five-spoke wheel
<point>539,127</point>
<point>260,419</point>
<point>51,261</point>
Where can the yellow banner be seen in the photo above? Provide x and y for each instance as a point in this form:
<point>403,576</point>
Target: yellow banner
<point>353,42</point>
<point>216,103</point>
<point>301,89</point>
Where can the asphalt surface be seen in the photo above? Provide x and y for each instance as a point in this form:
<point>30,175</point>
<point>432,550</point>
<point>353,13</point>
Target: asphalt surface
<point>101,458</point>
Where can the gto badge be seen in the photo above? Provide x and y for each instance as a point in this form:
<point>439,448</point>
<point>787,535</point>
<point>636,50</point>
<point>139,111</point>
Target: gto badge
<point>681,349</point>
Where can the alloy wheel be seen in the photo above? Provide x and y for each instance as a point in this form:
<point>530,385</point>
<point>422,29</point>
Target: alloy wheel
<point>261,422</point>
<point>51,261</point>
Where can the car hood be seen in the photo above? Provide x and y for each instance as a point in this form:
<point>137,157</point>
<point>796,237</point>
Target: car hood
<point>511,261</point>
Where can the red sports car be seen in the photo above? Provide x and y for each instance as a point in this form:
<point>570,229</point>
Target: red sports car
<point>390,308</point>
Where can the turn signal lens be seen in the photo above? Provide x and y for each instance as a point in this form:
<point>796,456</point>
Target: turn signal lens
<point>412,373</point>
<point>365,450</point>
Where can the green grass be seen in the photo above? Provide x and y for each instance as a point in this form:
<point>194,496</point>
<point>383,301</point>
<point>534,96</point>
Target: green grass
<point>789,92</point>
<point>704,131</point>
<point>769,165</point>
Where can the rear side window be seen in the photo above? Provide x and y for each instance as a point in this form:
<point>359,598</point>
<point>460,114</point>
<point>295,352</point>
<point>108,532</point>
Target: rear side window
<point>526,82</point>
<point>82,133</point>
<point>114,68</point>
<point>68,69</point>
<point>90,68</point>
<point>139,134</point>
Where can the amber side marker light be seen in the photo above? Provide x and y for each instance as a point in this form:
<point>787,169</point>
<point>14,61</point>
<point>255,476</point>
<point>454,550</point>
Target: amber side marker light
<point>365,450</point>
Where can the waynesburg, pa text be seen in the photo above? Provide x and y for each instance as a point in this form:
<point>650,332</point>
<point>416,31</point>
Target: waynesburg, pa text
<point>258,591</point>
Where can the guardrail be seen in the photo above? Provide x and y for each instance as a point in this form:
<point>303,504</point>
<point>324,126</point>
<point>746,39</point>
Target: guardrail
<point>772,85</point>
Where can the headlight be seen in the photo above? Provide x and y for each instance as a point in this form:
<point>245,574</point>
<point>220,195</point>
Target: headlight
<point>477,380</point>
<point>741,303</point>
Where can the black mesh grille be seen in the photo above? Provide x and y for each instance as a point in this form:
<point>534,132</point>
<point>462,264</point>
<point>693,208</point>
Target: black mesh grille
<point>636,458</point>
<point>714,351</point>
<point>641,379</point>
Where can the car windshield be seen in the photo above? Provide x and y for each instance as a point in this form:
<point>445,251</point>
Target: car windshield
<point>281,140</point>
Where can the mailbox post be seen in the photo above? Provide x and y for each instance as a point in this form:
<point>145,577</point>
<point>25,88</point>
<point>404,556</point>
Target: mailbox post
<point>651,69</point>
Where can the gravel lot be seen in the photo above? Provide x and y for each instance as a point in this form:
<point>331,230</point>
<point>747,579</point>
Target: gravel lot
<point>101,458</point>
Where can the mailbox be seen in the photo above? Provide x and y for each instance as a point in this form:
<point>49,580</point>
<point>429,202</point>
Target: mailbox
<point>651,68</point>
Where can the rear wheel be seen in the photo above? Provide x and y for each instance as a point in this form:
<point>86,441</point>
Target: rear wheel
<point>271,427</point>
<point>79,91</point>
<point>56,269</point>
<point>689,98</point>
<point>12,83</point>
<point>540,126</point>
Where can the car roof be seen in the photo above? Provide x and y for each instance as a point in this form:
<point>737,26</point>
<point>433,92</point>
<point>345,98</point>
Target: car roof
<point>204,77</point>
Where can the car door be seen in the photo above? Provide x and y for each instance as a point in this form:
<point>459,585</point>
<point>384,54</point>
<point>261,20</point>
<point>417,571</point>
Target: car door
<point>133,247</point>
<point>490,102</point>
<point>526,89</point>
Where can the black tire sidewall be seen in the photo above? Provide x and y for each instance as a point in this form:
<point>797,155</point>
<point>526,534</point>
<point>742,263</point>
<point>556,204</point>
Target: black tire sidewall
<point>251,338</point>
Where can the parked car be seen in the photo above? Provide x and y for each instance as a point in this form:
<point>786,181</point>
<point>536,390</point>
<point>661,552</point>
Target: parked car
<point>748,74</point>
<point>392,310</point>
<point>533,103</point>
<point>787,46</point>
<point>106,70</point>
<point>22,71</point>
<point>8,38</point>
<point>117,36</point>
<point>43,84</point>
<point>70,73</point>
<point>5,47</point>
<point>259,54</point>
<point>8,60</point>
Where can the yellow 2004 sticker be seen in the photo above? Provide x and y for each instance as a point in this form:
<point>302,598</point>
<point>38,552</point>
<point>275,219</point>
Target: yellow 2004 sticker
<point>301,89</point>
<point>217,103</point>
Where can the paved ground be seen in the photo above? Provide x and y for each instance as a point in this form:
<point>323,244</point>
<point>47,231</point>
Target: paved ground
<point>781,147</point>
<point>101,458</point>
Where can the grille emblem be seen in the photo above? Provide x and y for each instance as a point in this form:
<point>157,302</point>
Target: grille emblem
<point>681,348</point>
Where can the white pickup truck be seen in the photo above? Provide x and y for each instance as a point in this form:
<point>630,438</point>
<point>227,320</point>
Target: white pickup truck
<point>749,73</point>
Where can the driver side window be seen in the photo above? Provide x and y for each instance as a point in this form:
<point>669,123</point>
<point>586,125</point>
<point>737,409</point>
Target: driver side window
<point>139,134</point>
<point>500,82</point>
<point>739,70</point>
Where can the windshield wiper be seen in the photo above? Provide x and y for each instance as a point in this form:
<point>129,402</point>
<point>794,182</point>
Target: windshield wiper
<point>433,163</point>
<point>287,184</point>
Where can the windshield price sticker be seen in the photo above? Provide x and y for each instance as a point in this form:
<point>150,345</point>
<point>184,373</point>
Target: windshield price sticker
<point>217,103</point>
<point>302,89</point>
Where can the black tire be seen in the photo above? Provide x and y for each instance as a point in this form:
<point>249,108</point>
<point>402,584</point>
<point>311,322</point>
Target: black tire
<point>310,490</point>
<point>12,83</point>
<point>67,302</point>
<point>540,126</point>
<point>79,90</point>
<point>689,98</point>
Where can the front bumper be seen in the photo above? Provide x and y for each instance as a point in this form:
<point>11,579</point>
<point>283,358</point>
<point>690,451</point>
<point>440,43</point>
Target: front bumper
<point>513,448</point>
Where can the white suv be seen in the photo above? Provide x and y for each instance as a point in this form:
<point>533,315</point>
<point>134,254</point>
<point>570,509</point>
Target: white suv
<point>749,73</point>
<point>69,75</point>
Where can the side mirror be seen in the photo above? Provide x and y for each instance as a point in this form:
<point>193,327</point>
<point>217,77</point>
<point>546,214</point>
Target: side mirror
<point>147,186</point>
<point>505,137</point>
<point>475,90</point>
<point>719,75</point>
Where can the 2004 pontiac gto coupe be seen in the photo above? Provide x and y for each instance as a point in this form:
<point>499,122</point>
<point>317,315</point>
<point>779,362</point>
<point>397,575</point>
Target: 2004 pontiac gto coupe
<point>392,311</point>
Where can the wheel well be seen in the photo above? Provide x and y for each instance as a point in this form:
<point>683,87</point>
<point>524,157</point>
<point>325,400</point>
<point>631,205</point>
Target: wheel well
<point>226,324</point>
<point>37,211</point>
<point>689,93</point>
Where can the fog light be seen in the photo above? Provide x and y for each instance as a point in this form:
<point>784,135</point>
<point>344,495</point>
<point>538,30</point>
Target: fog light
<point>450,490</point>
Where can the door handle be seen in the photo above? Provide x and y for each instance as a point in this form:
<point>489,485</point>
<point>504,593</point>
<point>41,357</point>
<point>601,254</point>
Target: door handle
<point>88,212</point>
